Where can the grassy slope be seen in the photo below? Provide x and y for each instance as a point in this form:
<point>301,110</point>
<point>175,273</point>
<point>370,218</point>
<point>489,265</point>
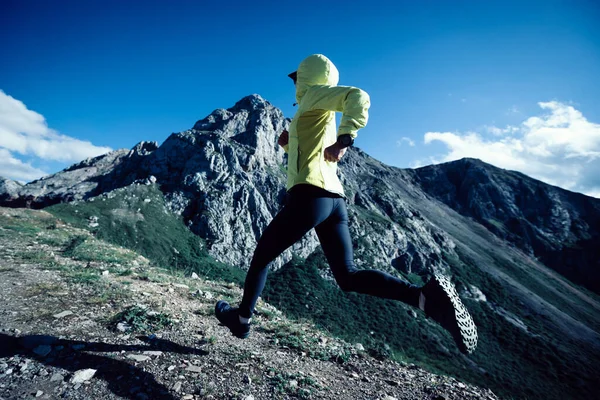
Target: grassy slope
<point>509,361</point>
<point>135,217</point>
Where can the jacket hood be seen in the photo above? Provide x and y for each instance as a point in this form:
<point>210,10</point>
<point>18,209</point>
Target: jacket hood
<point>315,70</point>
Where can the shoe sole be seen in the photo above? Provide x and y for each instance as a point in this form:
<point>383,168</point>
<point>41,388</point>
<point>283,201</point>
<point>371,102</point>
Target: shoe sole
<point>466,325</point>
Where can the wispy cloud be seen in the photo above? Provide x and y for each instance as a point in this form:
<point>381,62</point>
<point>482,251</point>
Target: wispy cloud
<point>494,130</point>
<point>559,146</point>
<point>406,140</point>
<point>26,132</point>
<point>16,169</point>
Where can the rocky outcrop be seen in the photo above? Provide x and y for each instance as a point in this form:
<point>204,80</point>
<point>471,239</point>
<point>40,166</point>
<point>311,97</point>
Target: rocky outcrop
<point>9,189</point>
<point>559,227</point>
<point>80,181</point>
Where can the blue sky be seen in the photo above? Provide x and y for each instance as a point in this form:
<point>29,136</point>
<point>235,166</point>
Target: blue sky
<point>512,82</point>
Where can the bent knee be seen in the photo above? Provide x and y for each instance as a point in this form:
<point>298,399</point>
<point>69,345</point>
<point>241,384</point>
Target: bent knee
<point>347,282</point>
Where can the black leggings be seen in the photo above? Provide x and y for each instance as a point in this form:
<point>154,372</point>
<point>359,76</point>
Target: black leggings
<point>310,207</point>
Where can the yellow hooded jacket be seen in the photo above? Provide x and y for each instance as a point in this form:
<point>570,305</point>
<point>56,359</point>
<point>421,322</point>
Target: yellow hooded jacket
<point>312,129</point>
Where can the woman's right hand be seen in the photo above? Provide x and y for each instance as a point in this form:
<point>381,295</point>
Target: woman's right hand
<point>283,138</point>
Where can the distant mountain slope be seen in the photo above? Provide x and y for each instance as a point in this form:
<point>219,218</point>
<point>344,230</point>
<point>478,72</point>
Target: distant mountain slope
<point>559,227</point>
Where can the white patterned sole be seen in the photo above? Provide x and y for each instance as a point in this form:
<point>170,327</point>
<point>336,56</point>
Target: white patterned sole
<point>466,325</point>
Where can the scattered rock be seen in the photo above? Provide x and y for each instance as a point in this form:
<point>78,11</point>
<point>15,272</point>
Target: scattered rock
<point>195,276</point>
<point>359,347</point>
<point>63,314</point>
<point>188,397</point>
<point>105,273</point>
<point>153,353</point>
<point>123,327</point>
<point>83,375</point>
<point>194,368</point>
<point>138,357</point>
<point>177,386</point>
<point>39,393</point>
<point>57,377</point>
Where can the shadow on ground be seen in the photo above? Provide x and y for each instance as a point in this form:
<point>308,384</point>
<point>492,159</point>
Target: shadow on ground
<point>122,377</point>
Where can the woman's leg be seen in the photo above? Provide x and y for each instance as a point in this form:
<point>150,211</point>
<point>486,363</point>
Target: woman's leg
<point>438,298</point>
<point>334,236</point>
<point>299,215</point>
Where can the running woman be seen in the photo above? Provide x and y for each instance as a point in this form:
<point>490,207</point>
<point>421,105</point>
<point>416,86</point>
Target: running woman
<point>316,200</point>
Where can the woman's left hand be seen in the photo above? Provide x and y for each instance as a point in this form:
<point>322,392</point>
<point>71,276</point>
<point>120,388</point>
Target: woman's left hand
<point>334,153</point>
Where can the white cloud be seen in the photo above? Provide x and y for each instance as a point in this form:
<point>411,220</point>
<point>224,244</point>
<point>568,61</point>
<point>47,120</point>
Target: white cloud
<point>560,147</point>
<point>16,169</point>
<point>494,130</point>
<point>407,140</point>
<point>26,132</point>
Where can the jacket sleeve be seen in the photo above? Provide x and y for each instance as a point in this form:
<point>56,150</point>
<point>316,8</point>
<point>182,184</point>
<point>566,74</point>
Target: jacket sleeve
<point>352,102</point>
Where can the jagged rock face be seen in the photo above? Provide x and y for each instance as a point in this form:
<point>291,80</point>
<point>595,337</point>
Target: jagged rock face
<point>386,229</point>
<point>83,180</point>
<point>9,189</point>
<point>559,227</point>
<point>224,177</point>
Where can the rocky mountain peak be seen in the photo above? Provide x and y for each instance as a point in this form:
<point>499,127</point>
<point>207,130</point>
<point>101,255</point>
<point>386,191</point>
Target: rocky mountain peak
<point>248,108</point>
<point>252,102</point>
